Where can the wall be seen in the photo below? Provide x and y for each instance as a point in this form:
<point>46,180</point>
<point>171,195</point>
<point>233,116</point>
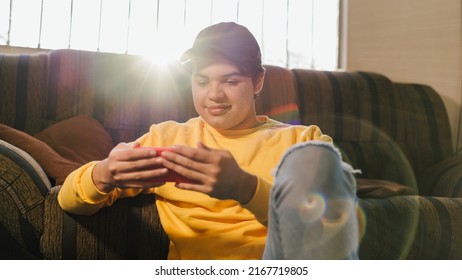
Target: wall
<point>410,41</point>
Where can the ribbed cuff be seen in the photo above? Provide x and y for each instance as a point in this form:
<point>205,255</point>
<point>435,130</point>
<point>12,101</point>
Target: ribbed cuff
<point>259,203</point>
<point>91,194</point>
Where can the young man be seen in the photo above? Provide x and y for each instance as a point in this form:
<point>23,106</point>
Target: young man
<point>229,154</point>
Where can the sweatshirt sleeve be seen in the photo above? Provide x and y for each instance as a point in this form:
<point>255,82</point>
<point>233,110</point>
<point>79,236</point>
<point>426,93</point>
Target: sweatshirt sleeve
<point>313,132</point>
<point>79,195</point>
<point>259,204</point>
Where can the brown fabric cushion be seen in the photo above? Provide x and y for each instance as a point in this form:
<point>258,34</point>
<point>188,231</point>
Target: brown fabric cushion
<point>129,229</point>
<point>23,187</point>
<point>83,82</point>
<point>444,178</point>
<point>371,188</point>
<point>24,89</point>
<point>412,227</point>
<point>80,139</point>
<point>55,166</point>
<point>278,98</point>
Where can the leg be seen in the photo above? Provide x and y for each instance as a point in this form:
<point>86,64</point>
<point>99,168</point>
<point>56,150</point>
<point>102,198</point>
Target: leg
<point>313,206</point>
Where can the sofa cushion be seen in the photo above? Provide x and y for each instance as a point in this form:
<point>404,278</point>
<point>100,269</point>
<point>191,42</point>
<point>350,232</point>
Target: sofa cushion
<point>380,160</point>
<point>24,88</point>
<point>342,103</point>
<point>55,166</point>
<point>125,93</point>
<point>80,139</point>
<point>129,229</point>
<point>371,188</point>
<point>444,178</point>
<point>278,98</point>
<point>425,118</point>
<point>368,116</point>
<point>412,227</point>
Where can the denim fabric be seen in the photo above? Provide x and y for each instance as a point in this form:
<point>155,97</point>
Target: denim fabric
<point>313,206</point>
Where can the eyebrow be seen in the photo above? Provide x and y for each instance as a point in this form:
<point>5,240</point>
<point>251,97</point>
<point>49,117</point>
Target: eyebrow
<point>236,73</point>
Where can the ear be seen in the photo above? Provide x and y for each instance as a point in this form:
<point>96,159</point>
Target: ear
<point>259,81</point>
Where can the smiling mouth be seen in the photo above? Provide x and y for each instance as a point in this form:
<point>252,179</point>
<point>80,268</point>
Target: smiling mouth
<point>218,110</point>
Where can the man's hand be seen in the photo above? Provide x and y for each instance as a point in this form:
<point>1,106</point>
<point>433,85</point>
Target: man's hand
<point>215,171</point>
<point>128,167</point>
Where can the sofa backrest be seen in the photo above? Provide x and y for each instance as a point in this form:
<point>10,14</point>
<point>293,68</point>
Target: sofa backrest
<point>278,98</point>
<point>125,93</point>
<point>128,93</point>
<point>385,129</point>
<point>23,91</point>
<point>426,138</point>
<point>388,130</point>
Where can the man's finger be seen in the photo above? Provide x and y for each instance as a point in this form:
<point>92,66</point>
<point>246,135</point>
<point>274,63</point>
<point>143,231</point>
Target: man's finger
<point>194,174</point>
<point>185,152</point>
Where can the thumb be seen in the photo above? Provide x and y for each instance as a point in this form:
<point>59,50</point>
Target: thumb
<point>135,144</point>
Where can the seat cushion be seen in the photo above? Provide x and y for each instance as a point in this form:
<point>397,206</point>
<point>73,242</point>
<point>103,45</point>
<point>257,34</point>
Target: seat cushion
<point>129,229</point>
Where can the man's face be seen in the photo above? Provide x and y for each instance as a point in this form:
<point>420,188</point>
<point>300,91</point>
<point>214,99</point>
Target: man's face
<point>223,96</point>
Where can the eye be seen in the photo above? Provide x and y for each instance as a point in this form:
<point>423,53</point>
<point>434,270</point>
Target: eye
<point>232,82</point>
<point>201,82</point>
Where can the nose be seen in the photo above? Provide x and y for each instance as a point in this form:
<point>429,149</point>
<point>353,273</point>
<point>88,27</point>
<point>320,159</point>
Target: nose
<point>216,92</point>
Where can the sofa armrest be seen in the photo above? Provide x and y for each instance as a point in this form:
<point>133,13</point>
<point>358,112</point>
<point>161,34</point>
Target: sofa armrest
<point>412,227</point>
<point>30,215</point>
<point>23,188</point>
<point>129,229</point>
<point>444,178</point>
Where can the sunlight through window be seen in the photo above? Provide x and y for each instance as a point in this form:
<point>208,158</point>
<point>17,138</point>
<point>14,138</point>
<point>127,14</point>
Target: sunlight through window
<point>291,33</point>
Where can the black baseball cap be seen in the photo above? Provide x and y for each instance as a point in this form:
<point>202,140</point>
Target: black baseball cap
<point>230,40</point>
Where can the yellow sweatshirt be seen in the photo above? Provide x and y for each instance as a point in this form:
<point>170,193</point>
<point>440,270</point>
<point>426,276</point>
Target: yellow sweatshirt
<point>199,226</point>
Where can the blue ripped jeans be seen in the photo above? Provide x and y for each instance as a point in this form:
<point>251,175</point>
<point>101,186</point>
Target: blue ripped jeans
<point>313,206</point>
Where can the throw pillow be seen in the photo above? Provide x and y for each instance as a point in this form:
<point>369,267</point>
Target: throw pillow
<point>56,167</point>
<point>80,139</point>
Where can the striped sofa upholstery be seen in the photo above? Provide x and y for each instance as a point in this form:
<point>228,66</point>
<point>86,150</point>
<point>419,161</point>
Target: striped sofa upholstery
<point>125,93</point>
<point>390,131</point>
<point>23,89</point>
<point>398,132</point>
<point>384,128</point>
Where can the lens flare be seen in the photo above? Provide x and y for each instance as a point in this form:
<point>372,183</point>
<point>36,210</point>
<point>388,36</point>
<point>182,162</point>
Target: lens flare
<point>313,208</point>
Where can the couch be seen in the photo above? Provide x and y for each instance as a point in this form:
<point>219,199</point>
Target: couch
<point>61,108</point>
